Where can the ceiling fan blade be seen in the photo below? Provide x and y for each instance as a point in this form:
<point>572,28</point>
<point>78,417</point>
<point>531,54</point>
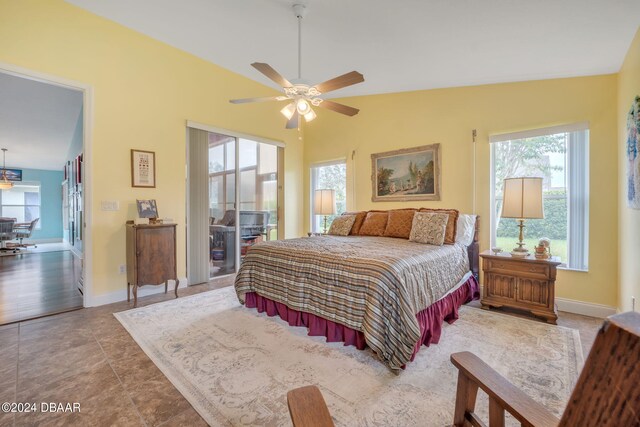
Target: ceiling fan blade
<point>264,99</point>
<point>339,108</point>
<point>271,73</point>
<point>339,82</point>
<point>293,121</point>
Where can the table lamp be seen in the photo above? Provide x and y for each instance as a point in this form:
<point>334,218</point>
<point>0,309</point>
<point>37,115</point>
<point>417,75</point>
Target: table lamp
<point>324,203</point>
<point>522,200</point>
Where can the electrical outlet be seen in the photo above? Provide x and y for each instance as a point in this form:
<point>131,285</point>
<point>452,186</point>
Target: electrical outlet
<point>123,269</point>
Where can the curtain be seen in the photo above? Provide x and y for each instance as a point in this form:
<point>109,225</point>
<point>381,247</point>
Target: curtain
<point>198,206</point>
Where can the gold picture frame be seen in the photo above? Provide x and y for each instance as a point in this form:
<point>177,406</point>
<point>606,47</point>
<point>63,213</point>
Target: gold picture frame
<point>143,169</point>
<point>405,175</point>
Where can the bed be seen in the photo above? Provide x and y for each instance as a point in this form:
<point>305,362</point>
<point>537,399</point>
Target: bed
<point>386,293</point>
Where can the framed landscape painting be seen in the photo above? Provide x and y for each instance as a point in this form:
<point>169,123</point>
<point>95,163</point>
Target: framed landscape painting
<point>406,175</point>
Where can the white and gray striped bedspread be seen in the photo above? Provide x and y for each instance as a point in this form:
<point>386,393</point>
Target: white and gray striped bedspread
<point>375,285</point>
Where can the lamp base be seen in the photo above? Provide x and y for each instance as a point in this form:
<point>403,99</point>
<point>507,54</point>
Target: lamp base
<point>519,254</point>
<point>520,251</point>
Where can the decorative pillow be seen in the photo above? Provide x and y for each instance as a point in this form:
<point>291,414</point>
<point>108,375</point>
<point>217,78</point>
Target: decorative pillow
<point>429,228</point>
<point>399,223</point>
<point>341,226</point>
<point>355,230</point>
<point>466,229</point>
<point>450,236</point>
<point>374,224</point>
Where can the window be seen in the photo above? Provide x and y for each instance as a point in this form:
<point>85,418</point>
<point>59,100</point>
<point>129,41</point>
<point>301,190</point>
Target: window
<point>332,176</point>
<point>560,156</point>
<point>22,201</point>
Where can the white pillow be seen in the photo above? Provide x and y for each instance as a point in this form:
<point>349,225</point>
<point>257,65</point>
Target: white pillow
<point>466,229</point>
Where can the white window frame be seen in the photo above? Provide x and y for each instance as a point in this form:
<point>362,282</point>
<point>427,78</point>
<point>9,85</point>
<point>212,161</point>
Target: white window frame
<point>313,174</point>
<point>39,206</point>
<point>578,189</point>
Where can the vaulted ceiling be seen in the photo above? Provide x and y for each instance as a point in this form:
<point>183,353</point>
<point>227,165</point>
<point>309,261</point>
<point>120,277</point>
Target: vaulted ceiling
<point>398,45</point>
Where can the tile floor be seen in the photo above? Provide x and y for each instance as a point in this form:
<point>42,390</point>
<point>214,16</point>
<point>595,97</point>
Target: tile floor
<point>86,356</point>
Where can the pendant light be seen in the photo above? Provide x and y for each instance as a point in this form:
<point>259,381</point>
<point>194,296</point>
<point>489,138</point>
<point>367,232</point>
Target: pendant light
<point>5,184</point>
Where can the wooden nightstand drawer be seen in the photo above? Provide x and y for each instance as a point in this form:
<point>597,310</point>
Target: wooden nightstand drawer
<point>540,271</point>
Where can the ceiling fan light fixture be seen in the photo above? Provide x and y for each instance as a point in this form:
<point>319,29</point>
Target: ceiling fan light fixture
<point>310,115</point>
<point>288,110</point>
<point>303,106</point>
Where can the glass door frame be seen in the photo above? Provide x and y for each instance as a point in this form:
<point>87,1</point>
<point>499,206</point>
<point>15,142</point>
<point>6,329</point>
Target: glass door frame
<point>237,136</point>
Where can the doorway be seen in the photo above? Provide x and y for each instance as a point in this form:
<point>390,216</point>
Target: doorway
<point>42,265</point>
<point>234,187</point>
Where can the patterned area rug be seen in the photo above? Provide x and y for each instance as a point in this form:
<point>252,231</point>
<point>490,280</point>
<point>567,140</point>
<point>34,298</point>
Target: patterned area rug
<point>235,365</point>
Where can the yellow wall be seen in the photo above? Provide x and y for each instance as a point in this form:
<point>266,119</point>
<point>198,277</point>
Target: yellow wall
<point>447,116</point>
<point>144,91</point>
<point>629,219</point>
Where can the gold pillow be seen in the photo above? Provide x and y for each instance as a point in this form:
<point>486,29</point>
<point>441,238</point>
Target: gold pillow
<point>452,224</point>
<point>429,228</point>
<point>374,224</point>
<point>341,226</point>
<point>355,230</point>
<point>399,223</point>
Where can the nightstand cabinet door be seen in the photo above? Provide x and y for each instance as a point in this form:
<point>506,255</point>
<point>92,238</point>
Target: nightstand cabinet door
<point>533,291</point>
<point>502,286</point>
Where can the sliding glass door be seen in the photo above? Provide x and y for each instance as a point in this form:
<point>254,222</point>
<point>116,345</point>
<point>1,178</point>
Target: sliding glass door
<point>230,232</point>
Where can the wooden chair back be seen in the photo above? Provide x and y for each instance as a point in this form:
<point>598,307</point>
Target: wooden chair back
<point>608,390</point>
<point>607,393</point>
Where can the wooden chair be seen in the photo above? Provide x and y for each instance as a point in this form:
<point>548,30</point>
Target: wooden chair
<point>607,392</point>
<point>307,408</point>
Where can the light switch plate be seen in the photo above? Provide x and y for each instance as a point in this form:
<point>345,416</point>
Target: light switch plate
<point>109,205</point>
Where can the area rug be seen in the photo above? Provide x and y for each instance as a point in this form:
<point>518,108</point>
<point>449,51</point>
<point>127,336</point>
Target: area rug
<point>235,365</point>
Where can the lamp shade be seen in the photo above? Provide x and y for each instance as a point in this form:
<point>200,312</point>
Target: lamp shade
<point>324,202</point>
<point>522,198</point>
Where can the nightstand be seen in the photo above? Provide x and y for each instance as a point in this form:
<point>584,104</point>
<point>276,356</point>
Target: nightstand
<point>521,283</point>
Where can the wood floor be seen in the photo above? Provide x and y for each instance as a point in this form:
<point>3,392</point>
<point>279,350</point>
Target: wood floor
<point>86,356</point>
<point>37,284</point>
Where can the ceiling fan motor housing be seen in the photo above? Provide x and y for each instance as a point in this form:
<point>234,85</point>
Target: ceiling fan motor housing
<point>300,10</point>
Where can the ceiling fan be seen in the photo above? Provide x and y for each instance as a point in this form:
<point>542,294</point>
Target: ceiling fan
<point>302,95</point>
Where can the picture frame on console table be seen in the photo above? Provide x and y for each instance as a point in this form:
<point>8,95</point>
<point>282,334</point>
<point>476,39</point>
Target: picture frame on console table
<point>147,208</point>
<point>143,169</point>
<point>409,174</point>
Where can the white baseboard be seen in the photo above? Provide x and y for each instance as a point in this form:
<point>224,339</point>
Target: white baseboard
<point>121,294</point>
<point>585,308</point>
<point>41,241</point>
<point>580,307</point>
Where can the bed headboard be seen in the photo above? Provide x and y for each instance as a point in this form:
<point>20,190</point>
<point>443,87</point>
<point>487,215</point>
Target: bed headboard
<point>474,252</point>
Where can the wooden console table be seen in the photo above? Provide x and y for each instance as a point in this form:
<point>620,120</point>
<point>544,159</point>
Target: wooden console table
<point>151,257</point>
<point>521,283</point>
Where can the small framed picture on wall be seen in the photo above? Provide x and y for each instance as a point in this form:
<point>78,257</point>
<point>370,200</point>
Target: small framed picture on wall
<point>143,168</point>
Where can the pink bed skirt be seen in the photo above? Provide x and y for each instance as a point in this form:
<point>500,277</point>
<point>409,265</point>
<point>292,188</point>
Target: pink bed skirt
<point>430,319</point>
